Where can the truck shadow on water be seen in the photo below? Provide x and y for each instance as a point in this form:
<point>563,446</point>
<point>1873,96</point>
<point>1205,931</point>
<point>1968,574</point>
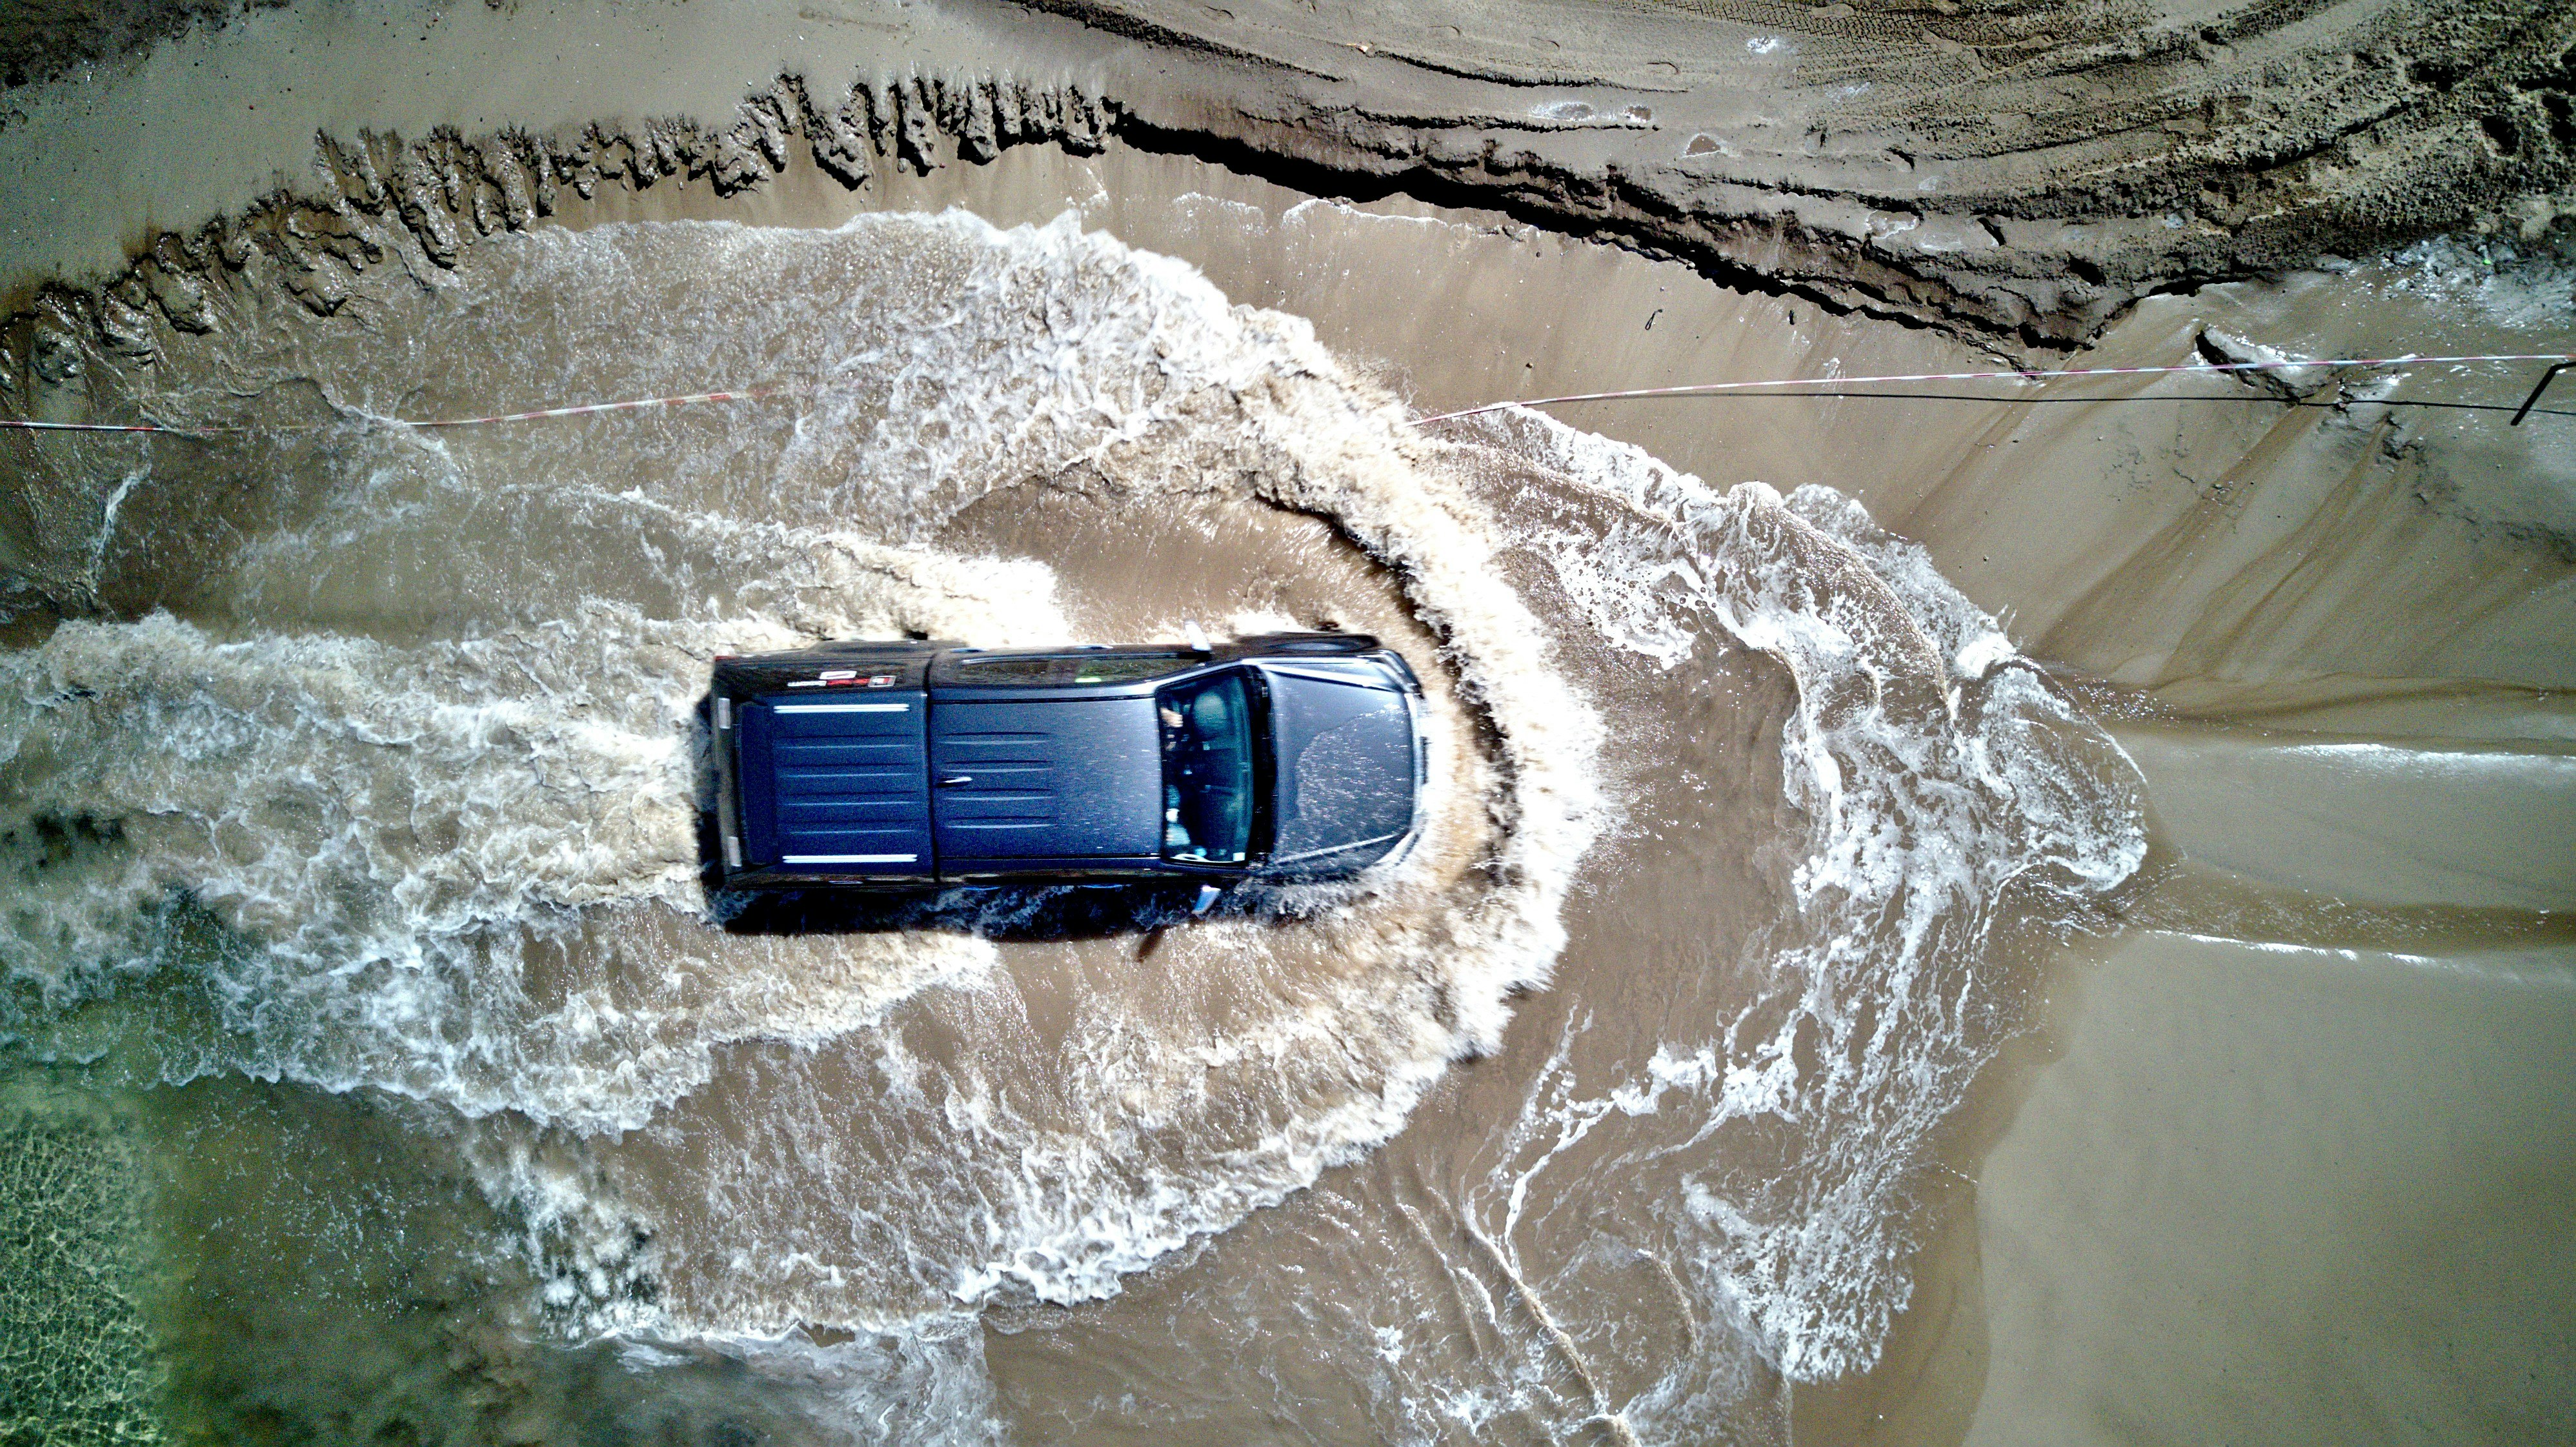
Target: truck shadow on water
<point>994,912</point>
<point>1001,913</point>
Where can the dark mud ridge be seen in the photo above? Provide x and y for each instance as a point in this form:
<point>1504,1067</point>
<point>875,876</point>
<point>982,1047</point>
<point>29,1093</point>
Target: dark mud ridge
<point>387,198</point>
<point>2019,173</point>
<point>43,39</point>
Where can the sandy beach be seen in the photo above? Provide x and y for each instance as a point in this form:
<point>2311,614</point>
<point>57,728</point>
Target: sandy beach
<point>2041,919</point>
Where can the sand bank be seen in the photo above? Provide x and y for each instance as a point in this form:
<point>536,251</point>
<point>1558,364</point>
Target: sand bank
<point>2023,176</point>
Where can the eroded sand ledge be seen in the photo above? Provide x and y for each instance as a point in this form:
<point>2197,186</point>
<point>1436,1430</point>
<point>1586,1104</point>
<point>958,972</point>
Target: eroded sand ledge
<point>2015,175</point>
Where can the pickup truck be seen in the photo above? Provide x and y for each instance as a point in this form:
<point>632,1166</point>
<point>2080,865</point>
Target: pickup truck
<point>913,765</point>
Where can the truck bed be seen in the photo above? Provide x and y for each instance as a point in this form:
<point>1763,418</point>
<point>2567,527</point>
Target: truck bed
<point>848,783</point>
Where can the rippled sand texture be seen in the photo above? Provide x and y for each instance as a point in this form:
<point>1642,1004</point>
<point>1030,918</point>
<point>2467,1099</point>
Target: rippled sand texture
<point>72,1346</point>
<point>2027,170</point>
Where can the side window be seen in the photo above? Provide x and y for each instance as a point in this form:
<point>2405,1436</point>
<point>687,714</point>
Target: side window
<point>1207,769</point>
<point>1100,666</point>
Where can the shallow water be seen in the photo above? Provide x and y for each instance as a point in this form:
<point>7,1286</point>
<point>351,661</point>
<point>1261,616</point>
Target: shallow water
<point>359,907</point>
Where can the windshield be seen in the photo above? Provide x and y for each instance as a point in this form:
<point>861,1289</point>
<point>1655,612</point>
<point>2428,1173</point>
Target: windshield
<point>1207,769</point>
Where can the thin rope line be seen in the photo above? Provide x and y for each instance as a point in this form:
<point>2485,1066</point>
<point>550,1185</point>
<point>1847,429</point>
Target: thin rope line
<point>1696,389</point>
<point>2109,401</point>
<point>23,425</point>
<point>1711,388</point>
<point>739,394</point>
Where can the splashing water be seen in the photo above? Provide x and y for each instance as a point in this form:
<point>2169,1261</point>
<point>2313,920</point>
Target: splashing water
<point>398,796</point>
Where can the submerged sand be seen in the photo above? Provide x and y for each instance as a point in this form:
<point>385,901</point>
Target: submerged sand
<point>2291,1171</point>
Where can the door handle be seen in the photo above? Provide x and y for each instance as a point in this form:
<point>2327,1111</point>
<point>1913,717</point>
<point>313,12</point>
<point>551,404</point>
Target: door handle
<point>951,781</point>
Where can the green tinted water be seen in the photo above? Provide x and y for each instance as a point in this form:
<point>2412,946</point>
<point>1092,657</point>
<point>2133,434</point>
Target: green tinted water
<point>76,1363</point>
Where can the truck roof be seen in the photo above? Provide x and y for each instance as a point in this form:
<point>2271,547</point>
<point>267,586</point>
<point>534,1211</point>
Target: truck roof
<point>1044,778</point>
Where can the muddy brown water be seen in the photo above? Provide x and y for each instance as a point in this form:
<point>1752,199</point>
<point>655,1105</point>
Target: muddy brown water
<point>1897,941</point>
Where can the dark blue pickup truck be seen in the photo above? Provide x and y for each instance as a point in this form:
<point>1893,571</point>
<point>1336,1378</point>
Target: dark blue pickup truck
<point>907,765</point>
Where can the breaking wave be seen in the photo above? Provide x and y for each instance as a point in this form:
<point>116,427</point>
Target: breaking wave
<point>1935,772</point>
<point>399,793</point>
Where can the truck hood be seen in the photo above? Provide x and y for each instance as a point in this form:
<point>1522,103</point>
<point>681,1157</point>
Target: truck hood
<point>1343,738</point>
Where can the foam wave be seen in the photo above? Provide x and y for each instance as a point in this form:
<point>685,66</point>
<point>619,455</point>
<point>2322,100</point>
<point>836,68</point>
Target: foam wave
<point>1002,380</point>
<point>1936,774</point>
<point>402,853</point>
<point>408,807</point>
<point>451,860</point>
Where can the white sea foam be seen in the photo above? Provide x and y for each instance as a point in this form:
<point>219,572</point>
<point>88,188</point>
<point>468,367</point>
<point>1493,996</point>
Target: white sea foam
<point>445,838</point>
<point>455,861</point>
<point>386,838</point>
<point>1932,774</point>
<point>1011,379</point>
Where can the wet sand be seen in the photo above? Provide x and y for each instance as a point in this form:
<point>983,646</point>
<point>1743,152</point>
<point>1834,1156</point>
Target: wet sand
<point>2286,1177</point>
<point>2296,1194</point>
<point>2025,176</point>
